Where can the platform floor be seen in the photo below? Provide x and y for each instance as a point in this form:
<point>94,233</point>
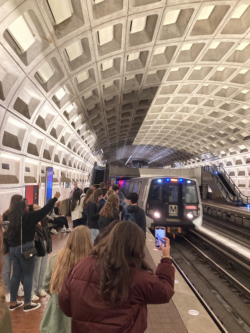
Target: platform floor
<point>163,317</point>
<point>182,302</point>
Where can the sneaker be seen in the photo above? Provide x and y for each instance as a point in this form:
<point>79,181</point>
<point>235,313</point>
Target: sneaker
<point>42,293</point>
<point>53,231</point>
<point>31,307</point>
<point>7,298</point>
<point>18,305</point>
<point>20,293</point>
<point>34,298</point>
<point>63,230</point>
<point>68,230</point>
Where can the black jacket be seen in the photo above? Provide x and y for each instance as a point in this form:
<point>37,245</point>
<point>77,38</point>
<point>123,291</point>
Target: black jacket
<point>93,215</point>
<point>104,221</point>
<point>140,216</point>
<point>29,222</point>
<point>45,234</point>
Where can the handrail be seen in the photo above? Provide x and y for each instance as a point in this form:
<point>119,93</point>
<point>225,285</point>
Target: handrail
<point>239,197</point>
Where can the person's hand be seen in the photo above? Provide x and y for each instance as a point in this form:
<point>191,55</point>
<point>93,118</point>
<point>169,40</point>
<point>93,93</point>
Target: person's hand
<point>39,223</point>
<point>57,195</point>
<point>165,249</point>
<point>52,219</point>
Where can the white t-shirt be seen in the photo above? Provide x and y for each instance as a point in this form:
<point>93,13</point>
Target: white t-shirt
<point>77,212</point>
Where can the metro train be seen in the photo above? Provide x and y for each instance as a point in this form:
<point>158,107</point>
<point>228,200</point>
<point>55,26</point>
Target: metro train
<point>171,202</point>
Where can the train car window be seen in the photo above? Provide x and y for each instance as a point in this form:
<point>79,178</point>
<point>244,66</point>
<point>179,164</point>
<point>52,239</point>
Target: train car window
<point>137,187</point>
<point>131,187</point>
<point>191,194</point>
<point>155,193</point>
<point>126,187</point>
<point>173,193</point>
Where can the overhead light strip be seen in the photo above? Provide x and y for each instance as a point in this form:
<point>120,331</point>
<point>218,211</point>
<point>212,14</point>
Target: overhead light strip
<point>128,159</point>
<point>155,159</point>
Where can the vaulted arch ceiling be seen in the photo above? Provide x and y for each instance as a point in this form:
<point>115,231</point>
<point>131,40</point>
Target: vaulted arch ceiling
<point>151,78</point>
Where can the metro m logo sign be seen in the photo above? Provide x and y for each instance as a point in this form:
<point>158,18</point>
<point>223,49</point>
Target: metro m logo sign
<point>173,210</point>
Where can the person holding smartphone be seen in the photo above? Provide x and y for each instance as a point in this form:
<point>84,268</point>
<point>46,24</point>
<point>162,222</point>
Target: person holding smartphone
<point>109,290</point>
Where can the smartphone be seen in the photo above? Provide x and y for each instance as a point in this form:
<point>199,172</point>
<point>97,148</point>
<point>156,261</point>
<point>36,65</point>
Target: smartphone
<point>160,233</point>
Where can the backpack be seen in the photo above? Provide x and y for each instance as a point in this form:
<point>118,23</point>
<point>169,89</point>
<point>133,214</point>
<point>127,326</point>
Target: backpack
<point>129,216</point>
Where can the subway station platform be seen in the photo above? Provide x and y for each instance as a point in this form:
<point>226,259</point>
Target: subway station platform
<point>237,215</point>
<point>175,316</point>
<point>172,317</point>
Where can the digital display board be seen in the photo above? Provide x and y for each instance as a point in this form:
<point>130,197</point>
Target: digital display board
<point>48,184</point>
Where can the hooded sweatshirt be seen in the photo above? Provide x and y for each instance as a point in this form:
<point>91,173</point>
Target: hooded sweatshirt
<point>140,216</point>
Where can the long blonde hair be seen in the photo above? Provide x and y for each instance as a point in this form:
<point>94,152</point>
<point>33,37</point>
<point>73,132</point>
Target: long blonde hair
<point>78,246</point>
<point>111,205</point>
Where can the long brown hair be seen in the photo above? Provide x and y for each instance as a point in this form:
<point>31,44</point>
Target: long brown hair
<point>78,246</point>
<point>2,285</point>
<point>75,201</point>
<point>111,205</point>
<point>94,197</point>
<point>87,196</point>
<point>118,254</point>
<point>14,199</point>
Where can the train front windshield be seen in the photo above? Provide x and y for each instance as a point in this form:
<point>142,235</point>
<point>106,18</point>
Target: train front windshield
<point>168,198</point>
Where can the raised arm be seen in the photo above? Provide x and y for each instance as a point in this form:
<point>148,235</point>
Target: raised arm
<point>158,288</point>
<point>38,215</point>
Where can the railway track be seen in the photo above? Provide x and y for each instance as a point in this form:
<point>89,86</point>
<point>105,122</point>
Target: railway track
<point>225,296</point>
<point>236,255</point>
<point>235,230</point>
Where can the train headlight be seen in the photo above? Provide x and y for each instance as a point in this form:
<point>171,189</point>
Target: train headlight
<point>190,216</point>
<point>157,215</point>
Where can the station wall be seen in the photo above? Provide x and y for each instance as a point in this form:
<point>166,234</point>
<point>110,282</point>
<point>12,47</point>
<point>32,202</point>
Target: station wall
<point>17,172</point>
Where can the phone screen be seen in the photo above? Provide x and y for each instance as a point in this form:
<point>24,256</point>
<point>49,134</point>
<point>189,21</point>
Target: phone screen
<point>160,233</point>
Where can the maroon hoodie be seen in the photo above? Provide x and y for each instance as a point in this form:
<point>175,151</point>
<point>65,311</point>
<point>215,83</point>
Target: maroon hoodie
<point>80,299</point>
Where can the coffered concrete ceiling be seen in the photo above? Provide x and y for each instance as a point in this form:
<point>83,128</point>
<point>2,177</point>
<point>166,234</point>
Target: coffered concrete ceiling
<point>155,79</point>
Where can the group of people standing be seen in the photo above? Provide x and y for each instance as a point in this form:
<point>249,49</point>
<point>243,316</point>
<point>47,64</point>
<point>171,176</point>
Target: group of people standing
<point>100,279</point>
<point>95,208</point>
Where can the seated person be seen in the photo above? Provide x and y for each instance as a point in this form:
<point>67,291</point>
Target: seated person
<point>59,220</point>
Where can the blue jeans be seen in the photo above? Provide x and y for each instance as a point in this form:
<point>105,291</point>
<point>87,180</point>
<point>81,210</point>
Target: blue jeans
<point>39,272</point>
<point>21,267</point>
<point>94,234</point>
<point>7,271</point>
